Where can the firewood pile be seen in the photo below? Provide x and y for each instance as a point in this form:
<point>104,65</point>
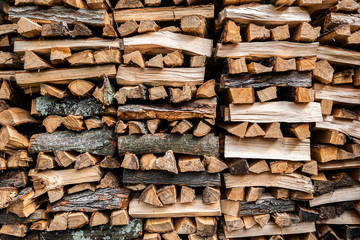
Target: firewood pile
<point>174,119</point>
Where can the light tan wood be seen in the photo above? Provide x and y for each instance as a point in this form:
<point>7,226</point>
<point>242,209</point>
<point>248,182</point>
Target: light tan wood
<point>289,181</point>
<point>278,166</point>
<point>259,166</point>
<point>14,229</point>
<point>262,220</point>
<point>123,4</point>
<point>334,19</point>
<point>19,159</point>
<point>254,193</point>
<point>211,195</point>
<point>276,112</point>
<point>74,123</point>
<point>8,28</point>
<point>110,180</point>
<point>98,4</point>
<point>187,194</point>
<point>106,56</point>
<point>201,129</point>
<point>283,65</point>
<point>344,113</point>
<point>55,194</point>
<point>339,56</point>
<point>231,208</point>
<point>171,236</point>
<point>214,164</point>
<point>167,162</point>
<point>305,33</point>
<point>152,236</point>
<point>235,194</point>
<point>310,168</point>
<point>40,225</point>
<point>128,28</point>
<point>99,218</point>
<point>343,77</point>
<point>237,65</point>
<point>157,61</point>
<point>330,137</point>
<point>64,159</point>
<point>280,193</point>
<point>301,131</point>
<point>172,77</point>
<point>344,126</point>
<point>119,217</point>
<point>137,127</point>
<point>164,13</point>
<point>15,116</point>
<point>336,93</point>
<point>76,3</point>
<point>326,106</point>
<point>58,55</point>
<point>249,222</point>
<point>306,63</point>
<point>174,59</point>
<point>130,161</point>
<point>272,130</point>
<point>81,88</point>
<point>206,90</point>
<point>233,223</point>
<point>28,28</point>
<point>190,164</point>
<point>166,42</point>
<point>167,194</point>
<point>339,195</point>
<point>194,25</point>
<point>280,33</point>
<point>49,90</point>
<point>45,161</point>
<point>59,222</point>
<point>159,225</point>
<point>267,94</point>
<point>206,226</point>
<point>34,62</point>
<point>272,229</point>
<point>81,187</point>
<point>82,58</point>
<point>257,68</point>
<point>338,34</point>
<point>237,129</point>
<point>255,32</point>
<point>11,140</point>
<point>185,225</point>
<point>149,196</point>
<point>77,220</point>
<point>148,26</point>
<point>195,208</point>
<point>147,162</point>
<point>231,33</point>
<point>348,217</point>
<point>240,95</point>
<point>254,130</point>
<point>8,194</point>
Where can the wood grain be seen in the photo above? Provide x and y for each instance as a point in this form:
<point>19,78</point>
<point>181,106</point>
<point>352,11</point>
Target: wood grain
<point>339,195</point>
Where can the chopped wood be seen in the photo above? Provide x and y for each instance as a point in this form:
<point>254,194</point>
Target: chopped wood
<point>201,129</point>
<point>259,166</point>
<point>188,178</point>
<point>156,93</point>
<point>339,195</point>
<point>99,218</point>
<point>159,225</point>
<point>147,162</point>
<point>108,121</point>
<point>167,194</point>
<point>233,223</point>
<point>167,162</point>
<point>106,56</point>
<point>53,30</point>
<point>262,220</point>
<point>280,33</point>
<point>231,33</point>
<point>152,3</point>
<point>15,116</point>
<point>255,32</point>
<point>11,139</point>
<point>194,25</point>
<point>128,28</point>
<point>25,203</point>
<point>13,178</point>
<point>282,65</point>
<point>82,58</point>
<point>330,137</point>
<point>14,229</point>
<point>305,33</point>
<point>285,219</point>
<point>98,4</point>
<point>237,65</point>
<point>137,127</point>
<point>210,195</point>
<point>254,193</point>
<point>153,125</point>
<point>81,187</point>
<point>190,164</point>
<point>8,28</point>
<point>59,222</point>
<point>105,94</point>
<point>344,113</point>
<point>55,194</point>
<point>235,194</point>
<point>326,153</point>
<point>40,225</point>
<point>150,196</point>
<point>310,168</point>
<point>341,125</point>
<point>178,95</point>
<point>34,62</point>
<point>280,193</point>
<point>58,55</point>
<point>48,90</point>
<point>77,220</point>
<point>45,161</point>
<point>74,123</point>
<point>81,88</point>
<point>148,26</point>
<point>278,166</point>
<point>240,95</point>
<point>110,162</point>
<point>249,222</point>
<point>8,194</point>
<point>185,225</point>
<point>214,164</point>
<point>9,60</point>
<point>19,159</point>
<point>282,49</point>
<point>76,3</point>
<point>257,68</point>
<point>166,42</point>
<point>174,59</point>
<point>28,28</point>
<point>343,77</point>
<point>130,161</point>
<point>129,4</point>
<point>254,130</point>
<point>187,194</point>
<point>64,158</point>
<point>339,56</point>
<point>85,160</point>
<point>119,217</point>
<point>348,217</point>
<point>80,30</point>
<point>157,62</point>
<point>168,77</point>
<point>237,129</point>
<point>163,14</point>
<point>205,226</point>
<point>334,19</point>
<point>267,94</point>
<point>152,236</point>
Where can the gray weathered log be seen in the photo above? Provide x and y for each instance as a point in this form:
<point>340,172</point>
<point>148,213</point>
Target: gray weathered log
<point>191,179</point>
<point>265,206</point>
<point>13,178</point>
<point>160,143</point>
<point>99,141</point>
<point>59,14</point>
<point>283,79</point>
<point>89,201</point>
<point>8,218</point>
<point>85,107</point>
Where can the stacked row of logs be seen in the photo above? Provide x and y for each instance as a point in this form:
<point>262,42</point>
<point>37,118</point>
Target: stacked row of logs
<point>111,126</point>
<point>293,179</point>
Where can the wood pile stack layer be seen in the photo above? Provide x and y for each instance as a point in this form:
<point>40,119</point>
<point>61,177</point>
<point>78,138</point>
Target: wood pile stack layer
<point>180,119</point>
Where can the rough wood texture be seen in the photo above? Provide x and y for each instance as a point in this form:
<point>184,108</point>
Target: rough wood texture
<point>191,179</point>
<point>268,49</point>
<point>339,56</point>
<point>339,195</point>
<point>100,142</point>
<point>13,178</point>
<point>339,94</point>
<point>276,112</point>
<point>266,205</point>
<point>160,143</point>
<point>291,181</point>
<point>195,208</point>
<point>101,199</point>
<point>350,128</point>
<point>172,77</point>
<point>166,42</point>
<point>291,79</point>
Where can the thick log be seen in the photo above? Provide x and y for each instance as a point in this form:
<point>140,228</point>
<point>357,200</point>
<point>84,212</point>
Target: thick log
<point>197,208</point>
<point>339,56</point>
<point>348,217</point>
<point>163,14</point>
<point>126,232</point>
<point>276,112</point>
<point>191,179</point>
<point>339,195</point>
<point>89,201</point>
<point>203,108</point>
<point>350,128</point>
<point>291,181</point>
<point>100,142</point>
<point>9,218</point>
<point>284,79</point>
<point>268,49</point>
<point>171,77</point>
<point>161,143</point>
<point>263,14</point>
<point>272,229</point>
<point>13,178</point>
<point>68,15</point>
<point>283,148</point>
<point>344,94</point>
<point>167,42</point>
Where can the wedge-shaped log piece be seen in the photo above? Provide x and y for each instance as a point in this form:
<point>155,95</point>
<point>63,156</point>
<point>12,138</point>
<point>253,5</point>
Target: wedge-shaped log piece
<point>283,148</point>
<point>334,19</point>
<point>350,128</point>
<point>203,108</point>
<point>268,49</point>
<point>100,142</point>
<point>163,14</point>
<point>166,42</point>
<point>339,195</point>
<point>191,179</point>
<point>339,56</point>
<point>64,76</point>
<point>125,232</point>
<point>11,140</point>
<point>276,112</point>
<point>34,62</point>
<point>339,94</point>
<point>161,143</point>
<point>13,178</point>
<point>60,14</point>
<point>291,181</point>
<point>272,229</point>
<point>89,201</point>
<point>171,77</point>
<point>16,116</point>
<point>263,14</point>
<point>195,208</point>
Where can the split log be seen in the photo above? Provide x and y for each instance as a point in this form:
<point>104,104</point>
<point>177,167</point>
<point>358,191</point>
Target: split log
<point>101,199</point>
<point>279,111</point>
<point>81,88</point>
<point>159,225</point>
<point>167,194</point>
<point>343,77</point>
<point>13,178</point>
<point>85,160</point>
<point>194,25</point>
<point>28,28</point>
<point>168,77</point>
<point>105,94</point>
<point>157,61</point>
<point>206,90</point>
<point>329,137</point>
<point>60,14</point>
<point>305,63</point>
<point>291,79</point>
<point>81,58</point>
<point>338,94</point>
<point>255,32</point>
<point>237,65</point>
<point>80,30</point>
<point>214,164</point>
<point>48,90</point>
<point>81,187</point>
<point>16,116</point>
<point>163,14</point>
<point>8,194</point>
<point>99,218</point>
<point>305,33</point>
<point>166,42</point>
<point>188,179</point>
<point>249,222</point>
<point>161,143</point>
<point>153,125</point>
<point>342,125</point>
<point>100,142</point>
<point>58,55</point>
<point>237,129</point>
<point>106,56</point>
<point>187,194</point>
<point>267,94</point>
<point>119,217</point>
<point>148,26</point>
<point>53,30</point>
<point>283,65</point>
<point>205,226</point>
<point>348,217</point>
<point>267,49</point>
<point>156,93</point>
<point>334,19</point>
<point>339,56</point>
<point>64,158</point>
<point>8,28</point>
<point>280,33</point>
<point>190,164</point>
<point>257,68</point>
<point>34,62</point>
<point>185,225</point>
<point>12,140</point>
<point>14,229</point>
<point>130,161</point>
<point>178,95</point>
<point>231,33</point>
<point>339,195</point>
<point>20,159</point>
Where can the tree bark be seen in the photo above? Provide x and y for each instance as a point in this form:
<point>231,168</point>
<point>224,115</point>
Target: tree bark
<point>100,142</point>
<point>265,206</point>
<point>13,178</point>
<point>160,143</point>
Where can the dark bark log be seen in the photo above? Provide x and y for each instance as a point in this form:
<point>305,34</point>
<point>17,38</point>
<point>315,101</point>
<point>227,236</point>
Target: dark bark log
<point>160,143</point>
<point>203,108</point>
<point>191,179</point>
<point>282,79</point>
<point>322,187</point>
<point>89,201</point>
<point>59,14</point>
<point>100,142</point>
<point>8,218</point>
<point>85,107</point>
<point>13,178</point>
<point>307,214</point>
<point>343,206</point>
<point>238,166</point>
<point>265,206</point>
<point>351,232</point>
<point>126,232</point>
<point>327,211</point>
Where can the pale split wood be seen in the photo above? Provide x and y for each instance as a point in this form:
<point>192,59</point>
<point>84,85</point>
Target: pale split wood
<point>339,94</point>
<point>350,128</point>
<point>348,217</point>
<point>344,194</point>
<point>291,181</point>
<point>195,208</point>
<point>339,56</point>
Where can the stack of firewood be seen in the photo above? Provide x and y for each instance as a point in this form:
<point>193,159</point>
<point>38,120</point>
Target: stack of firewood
<point>111,127</point>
